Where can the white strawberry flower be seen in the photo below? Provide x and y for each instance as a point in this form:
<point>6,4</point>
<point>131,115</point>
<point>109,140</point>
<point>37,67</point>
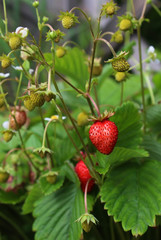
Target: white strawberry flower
<point>152,54</point>
<point>19,68</point>
<point>5,124</point>
<point>4,75</point>
<point>54,117</point>
<point>22,31</point>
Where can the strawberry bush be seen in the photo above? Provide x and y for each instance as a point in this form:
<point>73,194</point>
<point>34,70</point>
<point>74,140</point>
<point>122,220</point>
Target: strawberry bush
<point>80,134</point>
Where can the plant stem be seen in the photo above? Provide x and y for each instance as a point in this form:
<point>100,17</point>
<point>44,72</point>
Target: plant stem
<point>87,18</point>
<point>91,66</point>
<point>47,139</point>
<point>147,79</point>
<point>122,92</point>
<point>18,88</point>
<point>120,231</point>
<point>90,162</point>
<point>5,16</point>
<point>14,225</point>
<point>85,195</point>
<point>45,132</point>
<point>112,229</point>
<point>156,9</point>
<point>141,77</point>
<point>94,104</point>
<point>108,44</point>
<point>24,149</point>
<point>65,80</point>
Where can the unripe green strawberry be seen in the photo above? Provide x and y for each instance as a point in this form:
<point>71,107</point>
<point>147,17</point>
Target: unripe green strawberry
<point>67,22</point>
<point>60,52</point>
<point>87,226</point>
<point>117,37</point>
<point>37,99</point>
<point>51,177</point>
<point>120,76</point>
<point>3,176</point>
<point>35,4</point>
<point>125,24</point>
<point>14,42</point>
<point>110,10</point>
<point>5,62</point>
<point>1,102</point>
<point>120,65</point>
<point>29,104</point>
<point>82,119</point>
<point>7,135</point>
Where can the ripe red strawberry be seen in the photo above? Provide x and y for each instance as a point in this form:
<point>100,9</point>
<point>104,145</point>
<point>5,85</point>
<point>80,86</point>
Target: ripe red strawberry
<point>84,175</point>
<point>103,134</point>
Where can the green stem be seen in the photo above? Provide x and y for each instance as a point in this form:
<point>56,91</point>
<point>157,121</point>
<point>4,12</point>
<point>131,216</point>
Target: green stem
<point>89,161</point>
<point>147,79</point>
<point>45,132</point>
<point>112,229</point>
<point>120,231</point>
<point>47,139</point>
<point>24,149</point>
<point>156,9</point>
<point>14,225</point>
<point>108,44</point>
<point>141,76</point>
<point>87,18</point>
<point>18,88</point>
<point>7,105</point>
<point>122,92</point>
<point>5,17</point>
<point>94,104</point>
<point>91,66</point>
<point>65,80</point>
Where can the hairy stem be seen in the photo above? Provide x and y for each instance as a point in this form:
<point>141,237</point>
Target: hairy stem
<point>141,76</point>
<point>5,16</point>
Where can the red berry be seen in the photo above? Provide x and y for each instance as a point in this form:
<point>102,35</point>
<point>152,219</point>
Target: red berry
<point>103,134</point>
<point>84,175</point>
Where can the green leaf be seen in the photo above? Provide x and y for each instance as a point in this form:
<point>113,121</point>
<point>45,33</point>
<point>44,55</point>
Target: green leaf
<point>12,197</point>
<point>131,193</point>
<point>128,122</point>
<point>56,214</point>
<point>48,188</point>
<point>153,147</point>
<point>32,197</point>
<point>118,156</point>
<point>153,117</point>
<point>73,65</point>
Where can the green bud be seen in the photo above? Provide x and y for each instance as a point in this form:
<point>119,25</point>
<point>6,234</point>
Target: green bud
<point>149,1</point>
<point>35,4</point>
<point>45,19</point>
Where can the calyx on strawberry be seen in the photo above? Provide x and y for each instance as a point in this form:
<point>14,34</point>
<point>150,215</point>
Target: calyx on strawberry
<point>68,19</point>
<point>103,133</point>
<point>84,175</point>
<point>119,62</point>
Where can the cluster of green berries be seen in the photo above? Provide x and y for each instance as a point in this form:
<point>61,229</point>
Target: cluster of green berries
<point>37,98</point>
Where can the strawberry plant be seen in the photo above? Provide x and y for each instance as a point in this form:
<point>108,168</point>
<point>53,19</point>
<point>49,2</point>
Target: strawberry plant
<point>80,136</point>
